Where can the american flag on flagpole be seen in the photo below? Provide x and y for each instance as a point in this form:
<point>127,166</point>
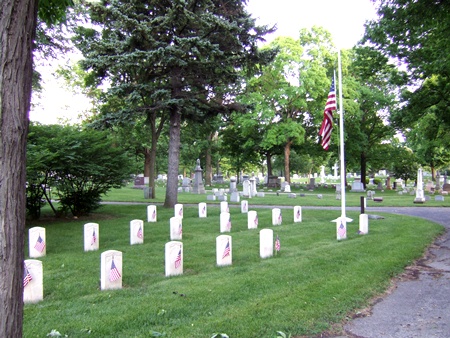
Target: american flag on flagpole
<point>327,123</point>
<point>40,244</point>
<point>114,273</point>
<point>226,252</point>
<point>277,244</point>
<point>26,276</point>
<point>178,259</point>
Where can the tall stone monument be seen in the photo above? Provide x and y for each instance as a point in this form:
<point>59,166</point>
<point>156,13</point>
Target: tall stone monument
<point>420,198</point>
<point>198,187</point>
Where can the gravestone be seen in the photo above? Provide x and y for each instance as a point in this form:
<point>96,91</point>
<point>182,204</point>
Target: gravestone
<point>341,229</point>
<point>91,237</point>
<point>233,184</point>
<point>322,174</point>
<point>111,270</point>
<point>202,211</point>
<point>223,250</point>
<point>266,243</point>
<point>363,224</point>
<point>198,187</point>
<point>178,210</point>
<point>176,228</point>
<point>312,183</point>
<point>36,239</point>
<point>225,222</point>
<point>253,191</point>
<point>173,258</point>
<point>335,170</point>
<point>276,216</point>
<point>234,197</point>
<point>186,185</point>
<point>357,186</point>
<point>151,213</point>
<point>287,187</point>
<point>211,198</point>
<point>224,207</point>
<point>33,281</point>
<point>297,214</point>
<point>244,206</point>
<point>439,198</point>
<point>246,189</point>
<point>272,182</point>
<point>252,219</point>
<point>136,231</point>
<point>419,189</point>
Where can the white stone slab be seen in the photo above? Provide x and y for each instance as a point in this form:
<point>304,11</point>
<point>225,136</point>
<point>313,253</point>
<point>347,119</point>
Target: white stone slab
<point>37,244</point>
<point>91,237</point>
<point>111,270</point>
<point>297,214</point>
<point>225,222</point>
<point>252,219</point>
<point>178,210</point>
<point>151,213</point>
<point>202,210</point>
<point>174,258</point>
<point>363,224</point>
<point>136,231</point>
<point>260,194</point>
<point>176,229</point>
<point>224,206</point>
<point>244,206</point>
<point>210,197</point>
<point>33,285</point>
<point>266,243</point>
<point>276,216</point>
<point>223,250</point>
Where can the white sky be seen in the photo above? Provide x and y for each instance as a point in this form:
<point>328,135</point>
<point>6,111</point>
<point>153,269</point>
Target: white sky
<point>344,19</point>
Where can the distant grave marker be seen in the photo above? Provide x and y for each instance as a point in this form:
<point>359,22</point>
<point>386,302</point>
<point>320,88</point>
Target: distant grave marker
<point>151,213</point>
<point>252,219</point>
<point>223,250</point>
<point>136,231</point>
<point>36,240</point>
<point>266,243</point>
<point>91,237</point>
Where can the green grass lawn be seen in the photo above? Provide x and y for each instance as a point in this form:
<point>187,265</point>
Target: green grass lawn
<point>314,282</point>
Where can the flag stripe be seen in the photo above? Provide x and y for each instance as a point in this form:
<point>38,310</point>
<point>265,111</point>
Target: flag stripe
<point>327,123</point>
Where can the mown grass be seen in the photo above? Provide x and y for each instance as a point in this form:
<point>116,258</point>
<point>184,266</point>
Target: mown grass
<point>314,282</point>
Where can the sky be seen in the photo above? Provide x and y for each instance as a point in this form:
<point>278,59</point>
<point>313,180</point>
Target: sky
<point>344,19</point>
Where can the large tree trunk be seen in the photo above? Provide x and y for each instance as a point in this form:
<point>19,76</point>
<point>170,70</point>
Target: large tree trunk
<point>363,163</point>
<point>17,29</point>
<point>174,158</point>
<point>287,154</point>
<point>269,164</point>
<point>208,165</point>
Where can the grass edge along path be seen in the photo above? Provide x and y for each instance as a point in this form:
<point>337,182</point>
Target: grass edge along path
<point>313,283</point>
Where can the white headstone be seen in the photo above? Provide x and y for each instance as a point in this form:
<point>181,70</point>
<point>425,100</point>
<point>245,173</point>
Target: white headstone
<point>252,219</point>
<point>176,228</point>
<point>223,250</point>
<point>276,216</point>
<point>297,214</point>
<point>91,237</point>
<point>335,168</point>
<point>246,189</point>
<point>287,188</point>
<point>178,210</point>
<point>174,258</point>
<point>224,206</point>
<point>111,270</point>
<point>136,231</point>
<point>363,224</point>
<point>202,210</point>
<point>419,190</point>
<point>36,240</point>
<point>225,222</point>
<point>341,228</point>
<point>151,213</point>
<point>266,243</point>
<point>322,174</point>
<point>33,277</point>
<point>244,206</point>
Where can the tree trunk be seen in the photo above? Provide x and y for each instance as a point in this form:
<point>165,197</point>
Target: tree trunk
<point>174,158</point>
<point>17,30</point>
<point>287,153</point>
<point>208,165</point>
<point>269,164</point>
<point>363,163</point>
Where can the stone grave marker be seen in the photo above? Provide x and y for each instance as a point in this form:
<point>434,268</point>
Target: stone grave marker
<point>91,237</point>
<point>136,231</point>
<point>419,190</point>
<point>225,222</point>
<point>202,210</point>
<point>439,198</point>
<point>178,209</point>
<point>198,187</point>
<point>341,229</point>
<point>297,214</point>
<point>224,206</point>
<point>357,185</point>
<point>276,216</point>
<point>36,240</point>
<point>266,243</point>
<point>111,270</point>
<point>223,250</point>
<point>151,213</point>
<point>33,277</point>
<point>246,189</point>
<point>363,224</point>
<point>176,228</point>
<point>174,258</point>
<point>252,219</point>
<point>244,206</point>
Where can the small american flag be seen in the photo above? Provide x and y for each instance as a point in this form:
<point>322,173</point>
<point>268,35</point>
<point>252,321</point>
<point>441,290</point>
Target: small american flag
<point>94,238</point>
<point>154,214</point>
<point>26,276</point>
<point>256,220</point>
<point>229,224</point>
<point>180,212</point>
<point>180,228</point>
<point>277,244</point>
<point>204,210</point>
<point>280,218</point>
<point>226,252</point>
<point>327,123</point>
<point>178,259</point>
<point>342,231</point>
<point>40,244</point>
<point>114,273</point>
<point>298,213</point>
<point>140,233</point>
<point>245,206</point>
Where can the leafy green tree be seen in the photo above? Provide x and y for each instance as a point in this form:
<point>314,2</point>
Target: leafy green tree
<point>80,165</point>
<point>179,57</point>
